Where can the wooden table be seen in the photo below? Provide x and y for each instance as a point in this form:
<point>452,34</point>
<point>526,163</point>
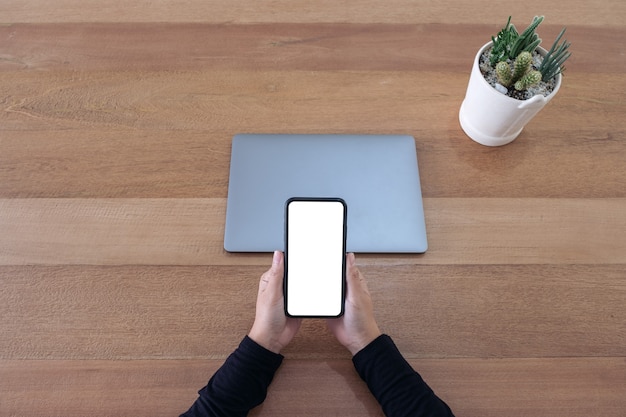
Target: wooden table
<point>116,296</point>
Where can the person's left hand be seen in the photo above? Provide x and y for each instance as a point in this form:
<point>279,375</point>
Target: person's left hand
<point>272,329</point>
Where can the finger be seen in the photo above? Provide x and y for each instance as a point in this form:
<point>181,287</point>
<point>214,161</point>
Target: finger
<point>350,264</point>
<point>265,279</point>
<point>277,259</point>
<point>271,274</point>
<point>354,277</point>
<point>351,258</point>
<point>352,271</point>
<point>275,273</point>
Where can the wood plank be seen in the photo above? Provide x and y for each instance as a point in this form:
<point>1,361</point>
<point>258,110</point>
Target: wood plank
<point>195,164</point>
<point>472,387</point>
<point>610,12</point>
<point>190,232</point>
<point>113,232</point>
<point>134,312</point>
<point>125,312</point>
<point>114,163</point>
<point>522,231</point>
<point>113,388</point>
<point>318,46</point>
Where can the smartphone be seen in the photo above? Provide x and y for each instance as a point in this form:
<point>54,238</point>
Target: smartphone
<point>315,257</point>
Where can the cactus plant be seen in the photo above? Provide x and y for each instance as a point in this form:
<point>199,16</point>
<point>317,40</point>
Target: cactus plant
<point>552,63</point>
<point>509,69</point>
<point>528,80</point>
<point>521,77</point>
<point>511,48</point>
<point>508,44</point>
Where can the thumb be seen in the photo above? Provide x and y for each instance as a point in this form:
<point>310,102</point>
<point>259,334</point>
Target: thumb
<point>275,273</point>
<point>277,259</point>
<point>356,282</point>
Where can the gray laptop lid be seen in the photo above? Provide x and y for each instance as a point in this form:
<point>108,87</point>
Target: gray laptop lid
<point>377,176</point>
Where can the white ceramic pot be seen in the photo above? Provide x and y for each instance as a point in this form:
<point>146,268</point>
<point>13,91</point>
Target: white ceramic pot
<point>492,118</point>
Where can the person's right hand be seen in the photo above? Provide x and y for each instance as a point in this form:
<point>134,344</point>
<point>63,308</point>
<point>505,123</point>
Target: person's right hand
<point>357,327</point>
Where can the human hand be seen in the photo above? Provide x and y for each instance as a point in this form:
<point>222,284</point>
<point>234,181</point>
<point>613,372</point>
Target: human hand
<point>272,329</point>
<point>357,328</point>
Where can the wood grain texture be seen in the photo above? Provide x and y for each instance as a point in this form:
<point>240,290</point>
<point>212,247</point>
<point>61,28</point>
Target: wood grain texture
<point>312,46</point>
<point>472,387</point>
<point>191,231</point>
<point>134,312</point>
<point>609,12</point>
<point>116,118</point>
<point>70,141</point>
<point>91,110</point>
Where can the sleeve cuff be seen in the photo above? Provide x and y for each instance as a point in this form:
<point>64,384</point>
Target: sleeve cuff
<point>252,349</point>
<point>382,343</point>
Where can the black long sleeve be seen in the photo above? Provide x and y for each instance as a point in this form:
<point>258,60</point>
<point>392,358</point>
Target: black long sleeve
<point>239,385</point>
<point>398,388</point>
<point>242,381</point>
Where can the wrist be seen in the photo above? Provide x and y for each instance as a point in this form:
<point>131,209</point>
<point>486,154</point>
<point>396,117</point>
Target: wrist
<point>263,340</point>
<point>359,344</point>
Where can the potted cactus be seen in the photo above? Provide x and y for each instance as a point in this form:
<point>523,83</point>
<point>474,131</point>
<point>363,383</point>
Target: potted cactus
<point>512,79</point>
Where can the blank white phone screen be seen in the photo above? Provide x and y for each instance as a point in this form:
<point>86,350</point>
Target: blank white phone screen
<point>315,258</point>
